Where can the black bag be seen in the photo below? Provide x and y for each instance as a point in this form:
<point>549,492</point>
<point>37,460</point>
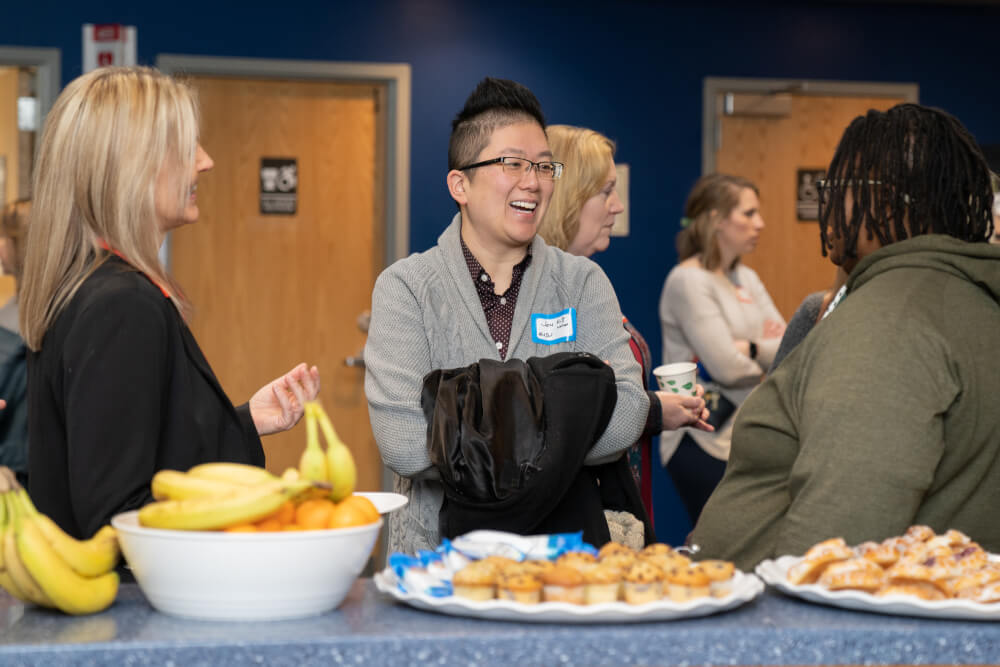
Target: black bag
<point>720,408</point>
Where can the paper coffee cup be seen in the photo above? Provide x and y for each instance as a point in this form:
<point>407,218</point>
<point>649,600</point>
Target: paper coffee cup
<point>679,378</point>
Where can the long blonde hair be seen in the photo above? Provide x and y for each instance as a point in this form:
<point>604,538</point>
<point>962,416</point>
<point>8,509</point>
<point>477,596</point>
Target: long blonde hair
<point>710,201</point>
<point>586,154</point>
<point>106,140</point>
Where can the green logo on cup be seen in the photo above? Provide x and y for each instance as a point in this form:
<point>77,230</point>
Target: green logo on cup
<point>688,386</point>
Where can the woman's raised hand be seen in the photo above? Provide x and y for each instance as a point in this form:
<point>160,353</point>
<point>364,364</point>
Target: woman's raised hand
<point>278,405</point>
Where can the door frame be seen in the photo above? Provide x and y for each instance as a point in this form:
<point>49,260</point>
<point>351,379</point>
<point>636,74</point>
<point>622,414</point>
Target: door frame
<point>711,128</point>
<point>397,79</point>
<point>48,64</point>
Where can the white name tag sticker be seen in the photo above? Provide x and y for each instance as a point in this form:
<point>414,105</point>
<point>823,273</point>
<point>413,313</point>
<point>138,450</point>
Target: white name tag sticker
<point>552,329</point>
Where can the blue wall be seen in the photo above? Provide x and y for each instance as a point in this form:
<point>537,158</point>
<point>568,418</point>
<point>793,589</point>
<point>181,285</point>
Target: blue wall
<point>632,69</point>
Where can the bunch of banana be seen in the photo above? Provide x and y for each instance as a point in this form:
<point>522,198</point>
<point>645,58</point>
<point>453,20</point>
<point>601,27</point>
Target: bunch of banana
<point>336,467</point>
<point>40,563</point>
<point>211,496</point>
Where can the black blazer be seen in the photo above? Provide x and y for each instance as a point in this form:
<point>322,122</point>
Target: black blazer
<point>119,390</point>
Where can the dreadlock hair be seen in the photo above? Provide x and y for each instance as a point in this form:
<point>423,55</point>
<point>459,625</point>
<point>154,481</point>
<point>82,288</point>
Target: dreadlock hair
<point>911,170</point>
<point>493,104</point>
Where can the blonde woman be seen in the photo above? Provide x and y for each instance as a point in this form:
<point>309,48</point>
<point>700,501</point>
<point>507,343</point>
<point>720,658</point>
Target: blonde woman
<point>714,310</point>
<point>117,386</point>
<point>579,221</point>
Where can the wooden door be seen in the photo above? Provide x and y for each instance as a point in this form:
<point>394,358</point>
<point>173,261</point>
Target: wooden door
<point>769,150</point>
<point>272,290</point>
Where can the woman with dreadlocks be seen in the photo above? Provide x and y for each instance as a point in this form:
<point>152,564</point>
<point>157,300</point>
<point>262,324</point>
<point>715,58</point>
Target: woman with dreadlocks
<point>884,416</point>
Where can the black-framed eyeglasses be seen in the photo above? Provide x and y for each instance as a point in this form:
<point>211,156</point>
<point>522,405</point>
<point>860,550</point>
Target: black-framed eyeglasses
<point>520,166</point>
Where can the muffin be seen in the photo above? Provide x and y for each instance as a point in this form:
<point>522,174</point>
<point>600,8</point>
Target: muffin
<point>519,587</point>
<point>578,560</point>
<point>687,583</point>
<point>535,567</point>
<point>562,584</point>
<point>476,581</point>
<point>614,548</point>
<point>623,560</point>
<point>656,549</point>
<point>499,562</point>
<point>665,560</point>
<point>720,576</point>
<point>643,583</point>
<point>602,584</point>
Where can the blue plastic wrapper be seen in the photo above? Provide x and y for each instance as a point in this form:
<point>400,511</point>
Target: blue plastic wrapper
<point>413,576</point>
<point>482,543</point>
<point>430,572</point>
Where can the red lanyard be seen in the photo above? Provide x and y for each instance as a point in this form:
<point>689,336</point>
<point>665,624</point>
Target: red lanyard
<point>104,244</point>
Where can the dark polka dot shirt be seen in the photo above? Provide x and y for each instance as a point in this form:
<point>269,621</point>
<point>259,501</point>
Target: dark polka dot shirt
<point>498,308</point>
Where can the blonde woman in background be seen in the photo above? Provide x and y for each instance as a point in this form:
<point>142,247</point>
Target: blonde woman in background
<point>117,385</point>
<point>579,221</point>
<point>715,311</point>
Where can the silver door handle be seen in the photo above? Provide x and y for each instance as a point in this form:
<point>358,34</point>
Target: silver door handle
<point>357,361</point>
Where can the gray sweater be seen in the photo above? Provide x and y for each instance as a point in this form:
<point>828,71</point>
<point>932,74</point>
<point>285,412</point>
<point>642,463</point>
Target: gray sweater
<point>426,315</point>
<point>701,315</point>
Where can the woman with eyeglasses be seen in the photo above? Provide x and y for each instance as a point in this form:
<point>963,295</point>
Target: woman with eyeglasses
<point>579,220</point>
<point>490,289</point>
<point>715,311</point>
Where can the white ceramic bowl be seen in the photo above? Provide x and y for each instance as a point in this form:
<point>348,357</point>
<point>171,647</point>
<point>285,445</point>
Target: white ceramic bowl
<point>247,576</point>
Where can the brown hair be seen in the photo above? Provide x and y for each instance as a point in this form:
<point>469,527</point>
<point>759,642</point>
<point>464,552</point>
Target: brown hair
<point>712,199</point>
<point>586,154</point>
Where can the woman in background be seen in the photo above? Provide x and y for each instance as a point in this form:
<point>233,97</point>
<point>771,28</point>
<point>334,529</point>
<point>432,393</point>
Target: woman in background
<point>117,386</point>
<point>715,311</point>
<point>579,220</point>
<point>13,364</point>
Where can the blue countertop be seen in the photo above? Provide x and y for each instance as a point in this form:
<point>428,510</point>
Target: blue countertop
<point>371,629</point>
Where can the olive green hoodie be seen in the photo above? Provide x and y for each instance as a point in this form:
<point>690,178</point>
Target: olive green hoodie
<point>883,417</point>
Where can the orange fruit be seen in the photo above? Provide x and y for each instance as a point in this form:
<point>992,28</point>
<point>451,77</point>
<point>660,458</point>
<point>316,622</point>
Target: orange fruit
<point>269,525</point>
<point>241,528</point>
<point>314,513</point>
<point>286,513</point>
<point>347,514</point>
<point>365,505</point>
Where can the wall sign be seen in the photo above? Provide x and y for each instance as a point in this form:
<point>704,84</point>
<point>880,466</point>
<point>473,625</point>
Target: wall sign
<point>279,183</point>
<point>107,44</point>
<point>807,194</point>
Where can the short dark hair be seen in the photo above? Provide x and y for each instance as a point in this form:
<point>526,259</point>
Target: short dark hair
<point>911,170</point>
<point>494,103</point>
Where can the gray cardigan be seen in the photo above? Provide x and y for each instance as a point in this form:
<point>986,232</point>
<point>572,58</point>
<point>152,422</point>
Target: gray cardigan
<point>426,315</point>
